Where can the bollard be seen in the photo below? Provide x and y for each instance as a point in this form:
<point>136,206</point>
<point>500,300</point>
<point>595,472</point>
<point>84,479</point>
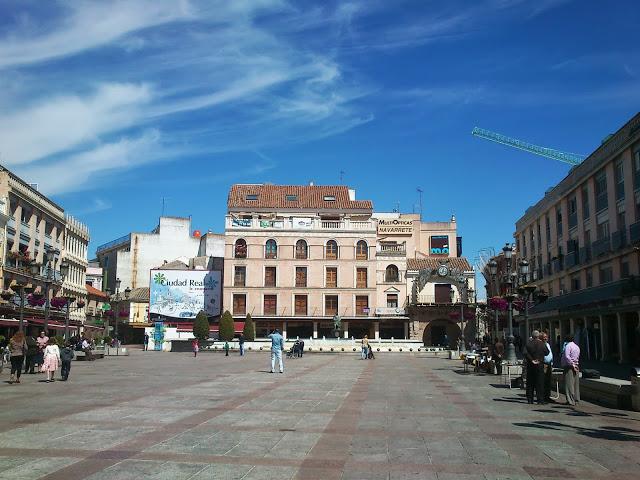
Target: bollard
<point>635,388</point>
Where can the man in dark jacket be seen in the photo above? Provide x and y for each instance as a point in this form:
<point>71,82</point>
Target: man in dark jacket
<point>535,351</point>
<point>32,352</point>
<point>66,355</point>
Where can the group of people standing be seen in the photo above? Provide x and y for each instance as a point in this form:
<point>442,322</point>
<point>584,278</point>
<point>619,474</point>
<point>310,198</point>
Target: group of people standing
<point>539,368</point>
<point>41,352</point>
<point>367,351</point>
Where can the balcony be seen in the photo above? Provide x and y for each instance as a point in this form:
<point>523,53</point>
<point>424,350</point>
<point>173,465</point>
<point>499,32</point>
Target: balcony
<point>585,254</point>
<point>634,232</point>
<point>601,201</point>
<point>618,240</point>
<point>425,299</point>
<point>571,259</point>
<point>602,246</point>
<point>391,250</point>
<point>298,224</point>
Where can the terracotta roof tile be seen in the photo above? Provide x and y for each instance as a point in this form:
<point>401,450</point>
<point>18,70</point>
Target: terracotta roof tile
<point>432,262</point>
<point>306,197</point>
<point>94,291</point>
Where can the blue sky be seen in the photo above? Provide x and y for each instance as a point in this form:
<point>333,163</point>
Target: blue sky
<point>111,106</point>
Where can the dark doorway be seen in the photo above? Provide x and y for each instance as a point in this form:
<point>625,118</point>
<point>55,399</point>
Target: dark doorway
<point>438,333</point>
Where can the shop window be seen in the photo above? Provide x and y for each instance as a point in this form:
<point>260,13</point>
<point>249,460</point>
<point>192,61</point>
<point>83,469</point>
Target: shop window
<point>392,300</point>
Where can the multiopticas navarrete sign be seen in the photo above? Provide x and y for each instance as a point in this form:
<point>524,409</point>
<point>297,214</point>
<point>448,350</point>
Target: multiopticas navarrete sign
<point>183,293</point>
<point>395,226</point>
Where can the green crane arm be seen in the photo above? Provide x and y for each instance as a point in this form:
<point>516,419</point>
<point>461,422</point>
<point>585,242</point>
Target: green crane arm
<point>570,158</point>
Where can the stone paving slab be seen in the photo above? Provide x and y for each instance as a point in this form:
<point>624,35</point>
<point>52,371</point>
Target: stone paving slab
<point>401,416</point>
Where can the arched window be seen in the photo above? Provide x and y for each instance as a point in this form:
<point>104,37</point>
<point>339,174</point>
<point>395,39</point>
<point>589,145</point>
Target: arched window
<point>362,250</point>
<point>271,249</point>
<point>331,250</point>
<point>391,274</point>
<point>302,251</point>
<point>240,249</point>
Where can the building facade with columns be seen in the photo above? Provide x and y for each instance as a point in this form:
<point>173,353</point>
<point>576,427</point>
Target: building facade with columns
<point>76,243</point>
<point>34,226</point>
<point>582,242</point>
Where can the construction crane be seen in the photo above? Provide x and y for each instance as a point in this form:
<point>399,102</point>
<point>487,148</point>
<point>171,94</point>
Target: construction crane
<point>570,158</point>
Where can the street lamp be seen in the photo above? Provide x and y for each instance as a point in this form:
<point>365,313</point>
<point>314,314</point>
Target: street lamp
<point>493,271</point>
<point>117,299</point>
<point>69,300</point>
<point>507,251</point>
<point>50,257</point>
<point>24,289</point>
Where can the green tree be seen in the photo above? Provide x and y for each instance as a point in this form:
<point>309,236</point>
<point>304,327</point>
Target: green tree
<point>249,330</point>
<point>227,329</point>
<point>201,326</point>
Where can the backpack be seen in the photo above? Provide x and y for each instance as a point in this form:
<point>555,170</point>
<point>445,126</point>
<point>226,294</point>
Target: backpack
<point>66,355</point>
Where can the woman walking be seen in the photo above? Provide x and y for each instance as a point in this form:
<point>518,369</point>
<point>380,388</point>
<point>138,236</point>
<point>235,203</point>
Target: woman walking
<point>51,359</point>
<point>365,348</point>
<point>18,349</point>
<point>195,347</point>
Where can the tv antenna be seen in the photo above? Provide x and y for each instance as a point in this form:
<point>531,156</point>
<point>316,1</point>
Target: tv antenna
<point>419,190</point>
<point>341,176</point>
<point>164,201</point>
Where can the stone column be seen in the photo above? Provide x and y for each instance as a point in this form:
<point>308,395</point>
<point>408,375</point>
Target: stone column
<point>346,329</point>
<point>622,350</point>
<point>572,326</point>
<point>315,329</point>
<point>406,330</point>
<point>376,330</point>
<point>604,337</point>
<point>284,330</point>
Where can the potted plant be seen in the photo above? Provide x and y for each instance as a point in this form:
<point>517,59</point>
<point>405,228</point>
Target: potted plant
<point>58,302</point>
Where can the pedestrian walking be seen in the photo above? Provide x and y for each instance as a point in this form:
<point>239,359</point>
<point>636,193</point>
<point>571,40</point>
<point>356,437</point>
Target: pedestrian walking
<point>17,349</point>
<point>226,349</point>
<point>301,348</point>
<point>195,347</point>
<point>146,341</point>
<point>547,368</point>
<point>51,360</point>
<point>498,354</point>
<point>66,355</point>
<point>277,346</point>
<point>31,355</point>
<point>535,351</point>
<point>241,344</point>
<point>42,341</point>
<point>365,348</point>
<point>570,363</point>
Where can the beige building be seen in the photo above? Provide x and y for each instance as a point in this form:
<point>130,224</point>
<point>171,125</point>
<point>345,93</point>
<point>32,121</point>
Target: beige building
<point>298,257</point>
<point>35,225</point>
<point>581,240</point>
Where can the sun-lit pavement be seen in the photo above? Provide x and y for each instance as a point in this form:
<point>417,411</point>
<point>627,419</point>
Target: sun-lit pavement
<point>170,416</point>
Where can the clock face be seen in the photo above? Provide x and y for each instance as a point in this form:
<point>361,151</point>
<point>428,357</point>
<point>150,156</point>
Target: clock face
<point>443,271</point>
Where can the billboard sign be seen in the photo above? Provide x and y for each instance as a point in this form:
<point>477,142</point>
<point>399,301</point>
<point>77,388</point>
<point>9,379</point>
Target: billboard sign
<point>439,245</point>
<point>302,223</point>
<point>395,227</point>
<point>183,293</point>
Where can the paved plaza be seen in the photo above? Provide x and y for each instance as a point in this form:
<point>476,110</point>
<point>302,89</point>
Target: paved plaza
<point>402,416</point>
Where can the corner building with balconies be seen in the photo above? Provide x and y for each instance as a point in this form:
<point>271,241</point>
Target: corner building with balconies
<point>297,257</point>
<point>581,240</point>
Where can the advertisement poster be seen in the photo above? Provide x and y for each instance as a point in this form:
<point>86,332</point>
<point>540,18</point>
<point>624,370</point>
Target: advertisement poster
<point>302,223</point>
<point>439,245</point>
<point>183,293</point>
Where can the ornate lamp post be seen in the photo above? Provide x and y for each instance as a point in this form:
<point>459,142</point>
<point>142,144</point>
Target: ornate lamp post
<point>507,251</point>
<point>50,257</point>
<point>24,290</point>
<point>493,271</point>
<point>116,312</point>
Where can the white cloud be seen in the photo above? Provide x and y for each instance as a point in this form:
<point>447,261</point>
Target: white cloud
<point>76,172</point>
<point>56,124</point>
<point>86,25</point>
<point>97,205</point>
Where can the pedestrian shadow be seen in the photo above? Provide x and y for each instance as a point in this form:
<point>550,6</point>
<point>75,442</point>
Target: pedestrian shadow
<point>499,385</point>
<point>618,434</point>
<point>511,400</point>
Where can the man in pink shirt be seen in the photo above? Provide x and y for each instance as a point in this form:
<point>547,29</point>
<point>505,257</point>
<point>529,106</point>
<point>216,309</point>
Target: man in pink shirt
<point>42,342</point>
<point>570,364</point>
